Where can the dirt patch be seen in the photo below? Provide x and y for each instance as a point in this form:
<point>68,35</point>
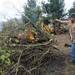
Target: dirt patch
<point>61,40</point>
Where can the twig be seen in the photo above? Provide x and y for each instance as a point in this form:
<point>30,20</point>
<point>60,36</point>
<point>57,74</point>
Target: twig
<point>40,60</point>
<point>42,56</point>
<point>32,45</point>
<point>28,71</point>
<point>18,63</point>
<point>12,68</point>
<point>57,49</point>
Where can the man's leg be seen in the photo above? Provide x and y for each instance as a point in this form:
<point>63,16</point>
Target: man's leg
<point>73,52</point>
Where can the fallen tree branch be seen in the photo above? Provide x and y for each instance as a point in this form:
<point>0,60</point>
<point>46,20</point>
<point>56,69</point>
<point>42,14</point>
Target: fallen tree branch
<point>31,45</point>
<point>56,48</point>
<point>18,63</point>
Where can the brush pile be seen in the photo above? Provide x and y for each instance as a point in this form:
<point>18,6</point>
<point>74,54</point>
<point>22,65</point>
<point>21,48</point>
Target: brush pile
<point>41,58</point>
<point>37,59</point>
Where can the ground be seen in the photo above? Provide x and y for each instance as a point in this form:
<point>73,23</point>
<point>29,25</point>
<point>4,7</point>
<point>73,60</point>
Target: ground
<point>61,40</point>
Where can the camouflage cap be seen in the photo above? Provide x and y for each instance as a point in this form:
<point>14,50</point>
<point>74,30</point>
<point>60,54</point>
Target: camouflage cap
<point>72,15</point>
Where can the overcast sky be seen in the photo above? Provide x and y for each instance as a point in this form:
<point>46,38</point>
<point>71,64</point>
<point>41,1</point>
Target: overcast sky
<point>8,7</point>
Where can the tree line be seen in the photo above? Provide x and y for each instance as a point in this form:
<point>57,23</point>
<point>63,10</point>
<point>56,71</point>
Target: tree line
<point>52,9</point>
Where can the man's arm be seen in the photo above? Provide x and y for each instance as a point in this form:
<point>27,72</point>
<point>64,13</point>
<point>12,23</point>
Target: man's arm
<point>60,21</point>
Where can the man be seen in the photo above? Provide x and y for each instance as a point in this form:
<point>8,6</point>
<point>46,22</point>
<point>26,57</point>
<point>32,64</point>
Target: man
<point>71,24</point>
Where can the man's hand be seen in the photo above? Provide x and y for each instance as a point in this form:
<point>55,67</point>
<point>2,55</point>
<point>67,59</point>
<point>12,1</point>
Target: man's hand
<point>57,20</point>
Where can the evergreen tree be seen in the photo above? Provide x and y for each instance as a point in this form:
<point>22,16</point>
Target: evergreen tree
<point>54,8</point>
<point>32,11</point>
<point>72,10</point>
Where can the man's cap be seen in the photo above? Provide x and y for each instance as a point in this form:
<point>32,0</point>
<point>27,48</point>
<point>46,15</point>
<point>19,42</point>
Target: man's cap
<point>72,15</point>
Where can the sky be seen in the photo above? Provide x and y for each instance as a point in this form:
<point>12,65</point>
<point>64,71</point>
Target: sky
<point>8,8</point>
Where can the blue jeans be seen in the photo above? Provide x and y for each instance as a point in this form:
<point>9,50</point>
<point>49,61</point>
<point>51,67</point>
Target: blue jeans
<point>73,52</point>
